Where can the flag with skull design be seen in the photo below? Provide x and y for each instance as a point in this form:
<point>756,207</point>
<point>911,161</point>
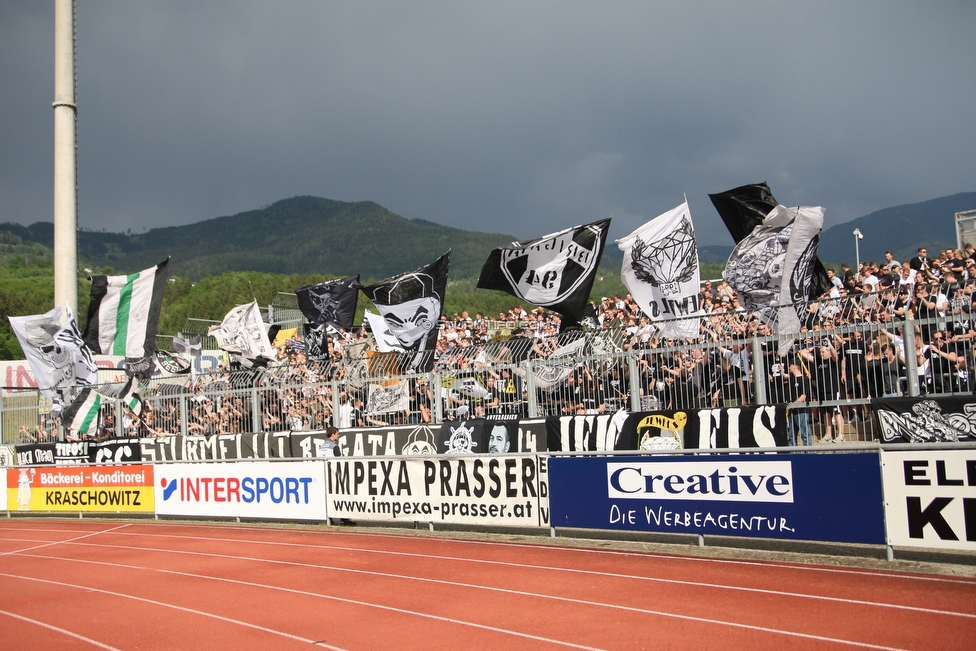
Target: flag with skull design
<point>411,303</point>
<point>330,303</point>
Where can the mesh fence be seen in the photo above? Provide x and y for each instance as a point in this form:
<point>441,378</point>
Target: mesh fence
<point>849,350</point>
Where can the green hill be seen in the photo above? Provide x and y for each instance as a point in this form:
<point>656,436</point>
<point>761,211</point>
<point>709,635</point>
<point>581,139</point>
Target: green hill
<point>899,229</point>
<point>301,235</point>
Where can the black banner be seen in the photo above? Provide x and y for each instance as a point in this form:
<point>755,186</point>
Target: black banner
<point>736,427</point>
<point>112,451</point>
<point>35,454</point>
<point>587,433</point>
<point>227,446</point>
<point>926,420</point>
<point>420,440</point>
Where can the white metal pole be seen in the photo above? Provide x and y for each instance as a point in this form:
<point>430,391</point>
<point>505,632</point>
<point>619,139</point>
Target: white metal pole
<point>65,188</point>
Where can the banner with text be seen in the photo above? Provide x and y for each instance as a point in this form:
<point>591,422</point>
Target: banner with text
<point>930,498</point>
<point>409,440</point>
<point>103,489</point>
<point>504,491</point>
<point>286,490</point>
<point>829,497</point>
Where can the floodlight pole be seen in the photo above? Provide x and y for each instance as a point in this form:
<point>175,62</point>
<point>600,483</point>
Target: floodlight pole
<point>65,159</point>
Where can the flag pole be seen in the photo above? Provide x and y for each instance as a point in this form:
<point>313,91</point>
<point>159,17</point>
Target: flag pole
<point>65,159</point>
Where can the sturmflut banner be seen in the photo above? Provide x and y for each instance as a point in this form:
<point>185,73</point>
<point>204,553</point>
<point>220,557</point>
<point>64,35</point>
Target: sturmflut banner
<point>510,491</point>
<point>930,498</point>
<point>775,496</point>
<point>248,489</point>
<point>103,489</point>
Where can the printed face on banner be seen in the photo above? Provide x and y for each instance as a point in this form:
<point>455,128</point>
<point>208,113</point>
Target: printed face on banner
<point>549,271</point>
<point>498,442</point>
<point>411,321</point>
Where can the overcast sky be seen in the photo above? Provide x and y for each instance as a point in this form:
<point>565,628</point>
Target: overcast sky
<point>521,118</point>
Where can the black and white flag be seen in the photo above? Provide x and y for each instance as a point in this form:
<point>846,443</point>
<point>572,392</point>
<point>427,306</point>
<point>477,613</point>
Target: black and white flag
<point>57,355</point>
<point>244,332</point>
<point>774,260</point>
<point>187,345</point>
<point>332,302</point>
<point>555,271</point>
<point>316,342</point>
<point>744,208</point>
<point>410,304</point>
<point>123,316</point>
<point>660,269</point>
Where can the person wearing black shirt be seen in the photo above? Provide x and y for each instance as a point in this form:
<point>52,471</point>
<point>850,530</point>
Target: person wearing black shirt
<point>921,261</point>
<point>798,390</point>
<point>854,368</point>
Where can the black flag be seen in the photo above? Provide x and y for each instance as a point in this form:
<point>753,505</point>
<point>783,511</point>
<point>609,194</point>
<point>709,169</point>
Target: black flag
<point>332,302</point>
<point>411,304</point>
<point>744,208</point>
<point>555,271</point>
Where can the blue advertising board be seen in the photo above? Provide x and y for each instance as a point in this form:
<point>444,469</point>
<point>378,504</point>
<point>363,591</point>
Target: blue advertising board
<point>826,497</point>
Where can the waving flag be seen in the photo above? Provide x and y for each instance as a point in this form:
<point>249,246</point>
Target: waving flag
<point>771,266</point>
<point>660,270</point>
<point>332,302</point>
<point>244,332</point>
<point>56,353</point>
<point>411,304</point>
<point>554,271</point>
<point>123,315</point>
<point>83,413</point>
<point>744,208</point>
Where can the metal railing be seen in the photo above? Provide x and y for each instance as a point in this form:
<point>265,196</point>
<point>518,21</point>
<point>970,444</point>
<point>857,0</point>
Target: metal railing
<point>830,370</point>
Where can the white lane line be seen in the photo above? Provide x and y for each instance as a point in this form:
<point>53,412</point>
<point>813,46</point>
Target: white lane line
<point>62,542</point>
<point>776,565</point>
<point>635,577</point>
<point>494,629</point>
<point>643,611</point>
<point>779,565</point>
<point>159,603</point>
<point>63,631</point>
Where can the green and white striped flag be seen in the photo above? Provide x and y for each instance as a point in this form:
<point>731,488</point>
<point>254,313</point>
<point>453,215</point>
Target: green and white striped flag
<point>82,415</point>
<point>124,312</point>
<point>130,398</point>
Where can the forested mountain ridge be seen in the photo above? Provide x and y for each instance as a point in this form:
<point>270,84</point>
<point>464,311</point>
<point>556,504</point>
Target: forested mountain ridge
<point>301,235</point>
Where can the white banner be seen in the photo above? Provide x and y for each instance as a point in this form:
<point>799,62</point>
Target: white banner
<point>930,498</point>
<point>291,490</point>
<point>660,269</point>
<point>501,491</point>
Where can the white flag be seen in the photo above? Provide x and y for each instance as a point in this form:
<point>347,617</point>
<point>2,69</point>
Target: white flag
<point>388,397</point>
<point>660,270</point>
<point>244,332</point>
<point>57,354</point>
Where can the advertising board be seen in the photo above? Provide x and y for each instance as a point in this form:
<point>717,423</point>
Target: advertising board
<point>930,498</point>
<point>510,491</point>
<point>97,489</point>
<point>286,490</point>
<point>828,497</point>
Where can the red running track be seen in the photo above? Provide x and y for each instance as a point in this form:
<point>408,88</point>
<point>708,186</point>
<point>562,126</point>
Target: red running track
<point>82,584</point>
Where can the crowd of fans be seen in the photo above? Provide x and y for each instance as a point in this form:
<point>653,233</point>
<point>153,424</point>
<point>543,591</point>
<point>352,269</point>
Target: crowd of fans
<point>851,347</point>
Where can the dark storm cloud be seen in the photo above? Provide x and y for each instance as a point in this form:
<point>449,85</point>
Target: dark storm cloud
<point>521,117</point>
